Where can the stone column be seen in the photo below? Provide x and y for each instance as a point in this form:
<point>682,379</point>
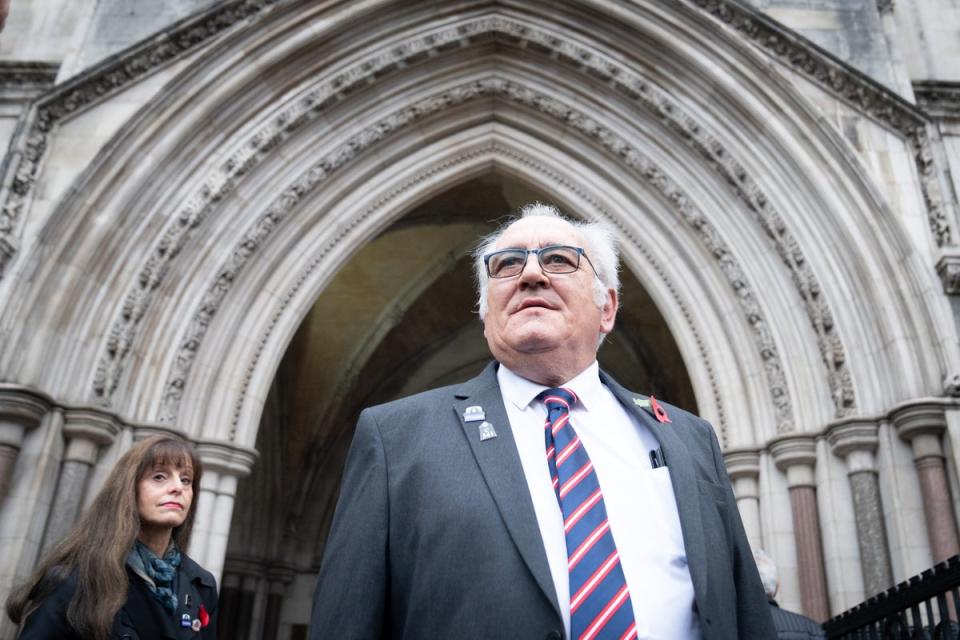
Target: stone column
<point>921,423</point>
<point>85,431</point>
<point>743,467</point>
<point>279,579</point>
<point>223,465</point>
<point>20,411</point>
<point>796,455</point>
<point>855,440</point>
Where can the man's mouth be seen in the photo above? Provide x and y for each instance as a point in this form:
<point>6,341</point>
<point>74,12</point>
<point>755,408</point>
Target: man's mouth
<point>531,303</point>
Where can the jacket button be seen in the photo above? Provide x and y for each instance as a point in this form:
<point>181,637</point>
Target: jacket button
<point>553,635</point>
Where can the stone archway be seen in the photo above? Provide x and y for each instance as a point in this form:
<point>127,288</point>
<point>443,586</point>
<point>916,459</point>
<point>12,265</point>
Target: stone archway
<point>169,281</point>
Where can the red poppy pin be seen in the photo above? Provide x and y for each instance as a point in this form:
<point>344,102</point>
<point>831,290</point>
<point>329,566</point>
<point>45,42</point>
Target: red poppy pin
<point>203,616</point>
<point>658,411</point>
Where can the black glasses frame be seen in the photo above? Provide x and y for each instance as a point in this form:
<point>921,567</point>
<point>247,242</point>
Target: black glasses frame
<point>539,253</point>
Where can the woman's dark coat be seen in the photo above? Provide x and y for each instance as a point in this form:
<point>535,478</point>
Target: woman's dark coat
<point>142,617</point>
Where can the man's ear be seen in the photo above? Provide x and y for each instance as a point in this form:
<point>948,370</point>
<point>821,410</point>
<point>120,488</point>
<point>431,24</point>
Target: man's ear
<point>608,314</point>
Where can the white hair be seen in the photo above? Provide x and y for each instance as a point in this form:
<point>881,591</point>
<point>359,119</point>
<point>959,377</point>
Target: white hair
<point>768,572</point>
<point>601,250</point>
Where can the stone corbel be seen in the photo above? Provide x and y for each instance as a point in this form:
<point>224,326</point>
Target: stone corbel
<point>948,268</point>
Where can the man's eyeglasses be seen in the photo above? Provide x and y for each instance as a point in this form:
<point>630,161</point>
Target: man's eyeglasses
<point>553,259</point>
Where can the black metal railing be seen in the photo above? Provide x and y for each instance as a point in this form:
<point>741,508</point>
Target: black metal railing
<point>922,608</point>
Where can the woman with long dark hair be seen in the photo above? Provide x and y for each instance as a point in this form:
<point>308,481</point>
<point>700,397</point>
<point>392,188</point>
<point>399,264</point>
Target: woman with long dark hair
<point>123,571</point>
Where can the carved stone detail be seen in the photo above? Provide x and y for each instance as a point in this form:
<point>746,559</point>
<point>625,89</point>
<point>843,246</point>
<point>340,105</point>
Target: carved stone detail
<point>938,98</point>
<point>26,77</point>
<point>588,61</point>
<point>948,268</point>
<point>631,156</point>
<point>840,79</point>
<point>93,86</point>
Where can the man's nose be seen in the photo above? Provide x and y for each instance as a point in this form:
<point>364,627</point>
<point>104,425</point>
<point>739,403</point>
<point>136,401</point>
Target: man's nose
<point>532,273</point>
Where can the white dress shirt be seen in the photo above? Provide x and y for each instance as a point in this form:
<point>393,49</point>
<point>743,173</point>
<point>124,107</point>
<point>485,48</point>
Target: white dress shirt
<point>639,501</point>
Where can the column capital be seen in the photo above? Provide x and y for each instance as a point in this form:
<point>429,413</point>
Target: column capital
<point>90,423</point>
<point>858,433</point>
<point>923,416</point>
<point>793,450</point>
<point>742,463</point>
<point>226,457</point>
<point>21,408</point>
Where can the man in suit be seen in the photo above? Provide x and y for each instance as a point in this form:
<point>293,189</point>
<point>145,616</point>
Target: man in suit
<point>789,625</point>
<point>540,499</point>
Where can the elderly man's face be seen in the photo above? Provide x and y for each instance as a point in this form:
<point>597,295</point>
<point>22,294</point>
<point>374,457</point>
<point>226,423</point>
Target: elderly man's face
<point>545,327</point>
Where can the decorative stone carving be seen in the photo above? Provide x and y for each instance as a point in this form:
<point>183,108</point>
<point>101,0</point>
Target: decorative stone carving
<point>951,384</point>
<point>96,84</point>
<point>26,78</point>
<point>492,85</point>
<point>123,332</point>
<point>948,268</point>
<point>940,99</point>
<point>840,79</point>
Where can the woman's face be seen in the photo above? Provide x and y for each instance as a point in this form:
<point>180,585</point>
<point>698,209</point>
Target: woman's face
<point>164,495</point>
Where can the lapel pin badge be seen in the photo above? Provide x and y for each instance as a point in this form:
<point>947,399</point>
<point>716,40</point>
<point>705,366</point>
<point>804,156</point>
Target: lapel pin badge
<point>474,414</point>
<point>186,600</point>
<point>196,626</point>
<point>185,620</point>
<point>641,402</point>
<point>487,431</point>
<point>658,411</point>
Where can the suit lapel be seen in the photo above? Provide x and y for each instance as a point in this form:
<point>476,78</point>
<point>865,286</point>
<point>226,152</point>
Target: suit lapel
<point>500,465</point>
<point>683,477</point>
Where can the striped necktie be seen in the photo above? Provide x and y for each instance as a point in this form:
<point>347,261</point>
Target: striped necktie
<point>600,604</point>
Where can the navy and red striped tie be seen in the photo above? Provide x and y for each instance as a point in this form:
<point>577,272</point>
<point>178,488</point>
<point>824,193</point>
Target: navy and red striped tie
<point>600,604</point>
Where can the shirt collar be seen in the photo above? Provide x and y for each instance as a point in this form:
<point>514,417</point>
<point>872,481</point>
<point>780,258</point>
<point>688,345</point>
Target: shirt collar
<point>521,392</point>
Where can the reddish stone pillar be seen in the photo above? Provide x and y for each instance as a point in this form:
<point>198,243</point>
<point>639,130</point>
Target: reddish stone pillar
<point>796,455</point>
<point>921,423</point>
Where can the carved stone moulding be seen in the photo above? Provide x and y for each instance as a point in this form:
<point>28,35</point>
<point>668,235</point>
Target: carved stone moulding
<point>228,458</point>
<point>26,79</point>
<point>853,434</point>
<point>795,455</point>
<point>939,99</point>
<point>742,463</point>
<point>21,409</point>
<point>948,268</point>
<point>492,86</point>
<point>921,417</point>
<point>841,80</point>
<point>122,334</point>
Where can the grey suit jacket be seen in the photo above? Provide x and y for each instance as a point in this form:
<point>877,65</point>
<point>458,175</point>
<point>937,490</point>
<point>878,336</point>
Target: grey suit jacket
<point>435,534</point>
